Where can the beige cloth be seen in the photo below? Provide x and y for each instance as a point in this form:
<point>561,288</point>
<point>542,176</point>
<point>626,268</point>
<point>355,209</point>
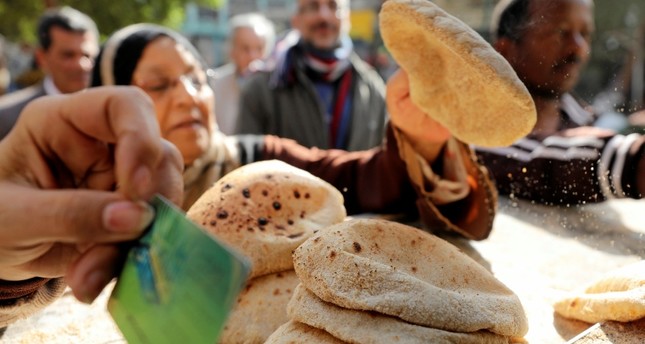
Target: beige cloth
<point>221,158</point>
<point>463,187</point>
<point>25,307</point>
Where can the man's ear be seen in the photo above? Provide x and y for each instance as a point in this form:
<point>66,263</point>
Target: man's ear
<point>295,21</point>
<point>41,59</point>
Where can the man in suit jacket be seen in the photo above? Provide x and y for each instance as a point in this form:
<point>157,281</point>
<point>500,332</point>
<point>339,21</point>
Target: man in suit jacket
<point>68,44</point>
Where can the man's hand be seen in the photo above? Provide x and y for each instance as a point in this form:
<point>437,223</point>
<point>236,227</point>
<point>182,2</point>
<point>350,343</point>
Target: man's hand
<point>75,175</point>
<point>426,135</point>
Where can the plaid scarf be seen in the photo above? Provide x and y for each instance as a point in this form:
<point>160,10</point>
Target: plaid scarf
<point>331,73</point>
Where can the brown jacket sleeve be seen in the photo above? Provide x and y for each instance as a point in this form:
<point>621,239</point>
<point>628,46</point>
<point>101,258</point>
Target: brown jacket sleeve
<point>23,298</point>
<point>385,180</point>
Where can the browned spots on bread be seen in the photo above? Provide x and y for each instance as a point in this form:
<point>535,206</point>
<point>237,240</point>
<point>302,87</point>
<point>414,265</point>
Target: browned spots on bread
<point>226,187</point>
<point>357,247</point>
<point>222,214</point>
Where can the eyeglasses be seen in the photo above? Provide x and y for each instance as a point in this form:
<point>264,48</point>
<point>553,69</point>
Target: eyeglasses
<point>161,86</point>
<point>314,7</point>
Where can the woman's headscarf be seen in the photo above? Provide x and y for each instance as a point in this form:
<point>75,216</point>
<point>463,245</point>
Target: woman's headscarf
<point>120,54</point>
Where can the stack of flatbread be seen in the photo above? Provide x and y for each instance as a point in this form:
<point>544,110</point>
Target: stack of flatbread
<point>266,210</point>
<point>617,296</point>
<point>376,281</point>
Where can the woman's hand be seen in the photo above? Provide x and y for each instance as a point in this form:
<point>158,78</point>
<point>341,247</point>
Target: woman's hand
<point>75,174</point>
<point>426,135</point>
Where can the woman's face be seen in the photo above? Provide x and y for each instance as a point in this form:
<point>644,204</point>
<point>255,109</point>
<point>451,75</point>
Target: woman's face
<point>177,84</point>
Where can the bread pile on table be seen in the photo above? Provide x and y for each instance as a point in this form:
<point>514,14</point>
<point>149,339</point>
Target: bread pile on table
<point>616,296</point>
<point>376,281</point>
<point>265,210</point>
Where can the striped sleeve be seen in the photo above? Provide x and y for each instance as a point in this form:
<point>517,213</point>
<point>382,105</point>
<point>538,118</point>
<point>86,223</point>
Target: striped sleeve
<point>568,170</point>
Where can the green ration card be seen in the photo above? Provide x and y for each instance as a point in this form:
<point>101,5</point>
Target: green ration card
<point>178,284</point>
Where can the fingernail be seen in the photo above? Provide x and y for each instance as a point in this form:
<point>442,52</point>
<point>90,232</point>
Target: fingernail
<point>96,281</point>
<point>142,179</point>
<point>123,217</point>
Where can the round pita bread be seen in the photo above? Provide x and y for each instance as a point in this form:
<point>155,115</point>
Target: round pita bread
<point>369,327</point>
<point>261,308</point>
<point>297,333</point>
<point>455,75</point>
<point>617,296</point>
<point>266,210</point>
<point>397,270</point>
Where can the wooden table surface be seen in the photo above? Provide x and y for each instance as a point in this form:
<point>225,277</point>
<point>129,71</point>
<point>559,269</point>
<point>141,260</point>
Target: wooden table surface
<point>537,251</point>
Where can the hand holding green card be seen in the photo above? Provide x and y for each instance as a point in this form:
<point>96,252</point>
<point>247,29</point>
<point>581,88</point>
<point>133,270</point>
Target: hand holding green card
<point>178,283</point>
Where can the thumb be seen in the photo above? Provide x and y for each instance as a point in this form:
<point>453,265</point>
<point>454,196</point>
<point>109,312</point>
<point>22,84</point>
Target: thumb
<point>32,216</point>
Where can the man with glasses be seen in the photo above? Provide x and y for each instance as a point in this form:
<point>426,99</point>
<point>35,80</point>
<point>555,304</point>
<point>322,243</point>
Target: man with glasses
<point>316,90</point>
<point>68,43</point>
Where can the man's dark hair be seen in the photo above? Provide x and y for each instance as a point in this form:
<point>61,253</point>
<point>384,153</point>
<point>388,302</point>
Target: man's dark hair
<point>510,19</point>
<point>65,18</point>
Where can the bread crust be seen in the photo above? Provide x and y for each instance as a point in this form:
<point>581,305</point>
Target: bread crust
<point>397,270</point>
<point>456,77</point>
<point>372,328</point>
<point>260,309</point>
<point>617,296</point>
<point>267,209</point>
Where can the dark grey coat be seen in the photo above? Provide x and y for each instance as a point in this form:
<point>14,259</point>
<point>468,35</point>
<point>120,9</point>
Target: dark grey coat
<point>295,111</point>
<point>12,104</point>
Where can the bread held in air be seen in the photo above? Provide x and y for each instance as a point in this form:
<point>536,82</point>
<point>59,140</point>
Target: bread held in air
<point>456,77</point>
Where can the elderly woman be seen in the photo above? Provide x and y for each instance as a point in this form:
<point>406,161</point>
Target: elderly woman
<point>420,165</point>
<point>388,179</point>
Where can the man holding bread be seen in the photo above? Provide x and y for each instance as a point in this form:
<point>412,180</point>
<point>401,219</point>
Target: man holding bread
<point>564,160</point>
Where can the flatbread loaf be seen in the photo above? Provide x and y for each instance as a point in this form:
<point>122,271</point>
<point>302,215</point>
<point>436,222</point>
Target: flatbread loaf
<point>297,333</point>
<point>455,75</point>
<point>397,270</point>
<point>265,210</point>
<point>261,308</point>
<point>617,296</point>
<point>371,328</point>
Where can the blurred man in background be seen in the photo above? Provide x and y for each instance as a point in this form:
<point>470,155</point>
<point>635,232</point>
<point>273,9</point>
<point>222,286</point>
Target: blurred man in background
<point>318,91</point>
<point>68,43</point>
<point>251,40</point>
